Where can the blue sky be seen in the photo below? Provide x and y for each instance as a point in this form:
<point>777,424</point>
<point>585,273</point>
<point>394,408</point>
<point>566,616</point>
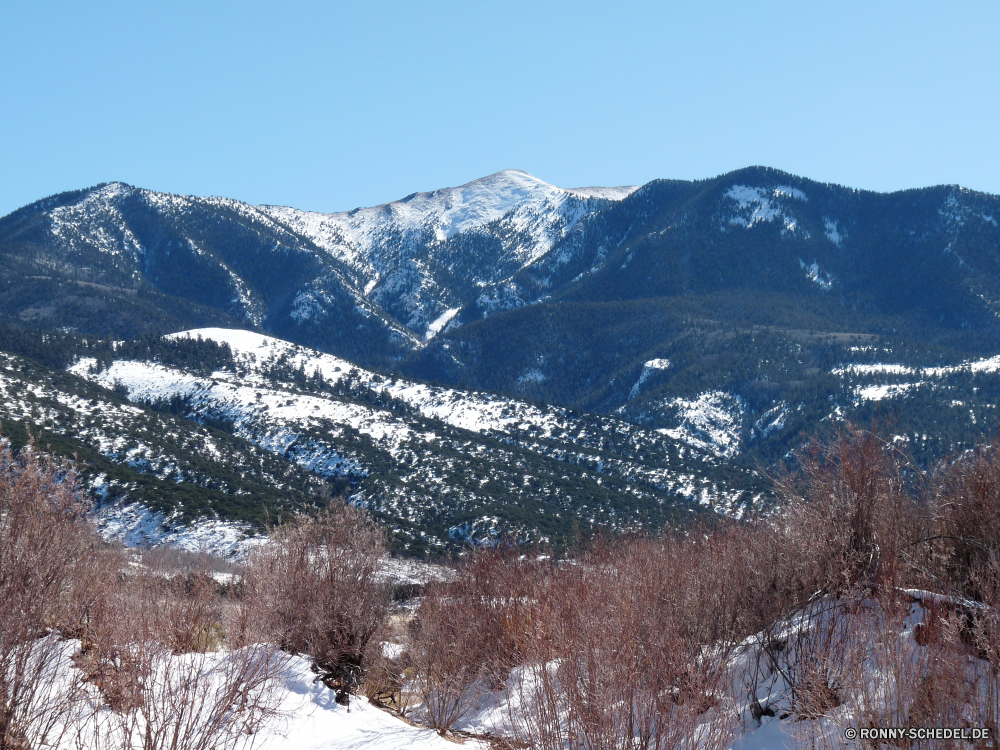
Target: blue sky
<point>329,106</point>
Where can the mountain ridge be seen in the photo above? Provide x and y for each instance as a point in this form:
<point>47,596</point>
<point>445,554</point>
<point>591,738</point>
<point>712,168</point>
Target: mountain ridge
<point>750,284</point>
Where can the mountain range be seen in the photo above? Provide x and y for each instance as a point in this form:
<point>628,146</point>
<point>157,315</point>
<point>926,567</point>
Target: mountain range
<point>675,338</point>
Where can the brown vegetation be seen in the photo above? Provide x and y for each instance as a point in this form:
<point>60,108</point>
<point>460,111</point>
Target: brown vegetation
<point>632,644</point>
<point>870,593</point>
<point>314,590</point>
<point>45,569</point>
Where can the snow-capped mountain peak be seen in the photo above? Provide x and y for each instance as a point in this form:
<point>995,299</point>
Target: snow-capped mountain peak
<point>407,268</point>
<point>481,232</point>
<point>354,235</point>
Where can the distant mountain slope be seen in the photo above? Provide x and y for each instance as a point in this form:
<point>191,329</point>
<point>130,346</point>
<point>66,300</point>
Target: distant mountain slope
<point>160,472</point>
<point>234,428</point>
<point>370,284</point>
<point>748,290</point>
<point>103,260</point>
<point>749,284</point>
<point>228,428</point>
<point>430,254</point>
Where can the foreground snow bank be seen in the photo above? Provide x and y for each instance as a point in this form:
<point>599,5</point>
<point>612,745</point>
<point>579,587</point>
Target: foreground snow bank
<point>313,721</point>
<point>306,716</point>
<point>837,666</point>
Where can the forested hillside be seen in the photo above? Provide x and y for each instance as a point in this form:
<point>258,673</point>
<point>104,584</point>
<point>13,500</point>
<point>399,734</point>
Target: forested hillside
<point>525,358</point>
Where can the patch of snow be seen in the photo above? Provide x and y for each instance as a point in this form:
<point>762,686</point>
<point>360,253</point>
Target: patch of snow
<point>439,323</point>
<point>135,525</point>
<point>818,277</point>
<point>875,369</point>
<point>711,422</point>
<point>306,306</point>
<point>771,421</point>
<point>882,392</point>
<point>784,191</point>
<point>833,233</point>
<point>755,205</point>
<point>608,193</point>
<point>262,415</point>
<point>648,368</point>
<point>400,570</point>
<point>305,714</point>
<point>532,376</point>
<point>975,367</point>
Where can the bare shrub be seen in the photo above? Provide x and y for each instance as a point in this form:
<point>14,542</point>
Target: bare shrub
<point>963,551</point>
<point>198,701</point>
<point>385,681</point>
<point>820,654</point>
<point>966,497</point>
<point>846,514</point>
<point>472,632</point>
<point>176,560</point>
<point>314,590</point>
<point>617,655</point>
<point>447,658</point>
<point>44,536</point>
<point>930,678</point>
<point>190,615</point>
<point>148,652</point>
<point>985,631</point>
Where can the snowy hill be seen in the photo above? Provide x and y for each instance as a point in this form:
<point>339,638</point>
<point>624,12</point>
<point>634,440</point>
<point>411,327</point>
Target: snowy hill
<point>240,427</point>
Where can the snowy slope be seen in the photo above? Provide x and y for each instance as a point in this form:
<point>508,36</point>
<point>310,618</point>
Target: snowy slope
<point>402,252</point>
<point>361,237</point>
<point>305,715</point>
<point>444,463</point>
<point>756,708</point>
<point>312,720</point>
<point>420,259</point>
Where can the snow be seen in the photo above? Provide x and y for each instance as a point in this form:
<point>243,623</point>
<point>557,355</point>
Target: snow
<point>881,369</point>
<point>306,306</point>
<point>648,369</point>
<point>771,421</point>
<point>833,233</point>
<point>814,274</point>
<point>314,721</point>
<point>311,428</point>
<point>608,193</point>
<point>711,422</point>
<point>380,245</point>
<point>989,365</point>
<point>135,525</point>
<point>882,392</point>
<point>755,205</point>
<point>879,643</point>
<point>784,191</point>
<point>400,570</point>
<point>439,323</point>
<point>397,248</point>
<point>469,410</point>
<point>355,236</point>
<point>251,406</point>
<point>255,352</point>
<point>306,716</point>
<point>533,375</point>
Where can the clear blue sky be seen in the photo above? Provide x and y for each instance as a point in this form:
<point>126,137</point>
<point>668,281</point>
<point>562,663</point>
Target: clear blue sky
<point>328,106</point>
